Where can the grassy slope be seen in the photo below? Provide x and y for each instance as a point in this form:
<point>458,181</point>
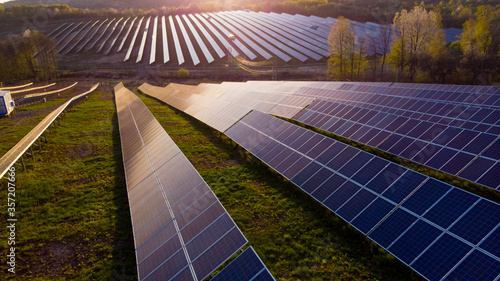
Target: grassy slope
<point>73,217</point>
<point>295,236</point>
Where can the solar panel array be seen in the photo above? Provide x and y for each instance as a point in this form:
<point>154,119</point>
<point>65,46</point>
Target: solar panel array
<point>457,138</point>
<point>253,35</point>
<point>181,230</point>
<point>246,267</point>
<point>440,231</point>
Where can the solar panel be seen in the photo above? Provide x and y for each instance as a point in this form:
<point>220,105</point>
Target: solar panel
<point>143,42</point>
<point>443,147</point>
<point>246,267</point>
<point>426,206</point>
<point>126,35</point>
<point>132,43</point>
<point>207,35</point>
<point>190,46</point>
<point>166,55</point>
<point>177,44</point>
<point>200,42</point>
<point>275,39</point>
<point>152,56</point>
<point>240,35</point>
<point>101,35</point>
<point>109,35</point>
<point>73,37</point>
<point>261,38</point>
<point>180,228</point>
<point>290,35</point>
<point>209,22</point>
<point>113,42</point>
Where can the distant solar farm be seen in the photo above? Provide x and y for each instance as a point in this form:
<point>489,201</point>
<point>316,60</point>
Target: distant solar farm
<point>209,37</point>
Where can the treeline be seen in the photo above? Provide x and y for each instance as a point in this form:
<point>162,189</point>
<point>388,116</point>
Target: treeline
<point>413,49</point>
<point>454,13</point>
<point>30,56</point>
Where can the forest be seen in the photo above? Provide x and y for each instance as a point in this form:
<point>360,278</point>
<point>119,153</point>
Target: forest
<point>472,59</point>
<point>414,50</point>
<point>454,12</point>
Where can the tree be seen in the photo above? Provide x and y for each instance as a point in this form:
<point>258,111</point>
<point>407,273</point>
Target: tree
<point>480,42</point>
<point>342,42</point>
<point>415,32</point>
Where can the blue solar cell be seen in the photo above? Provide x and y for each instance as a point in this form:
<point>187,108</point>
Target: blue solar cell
<point>418,237</point>
<point>209,236</point>
<point>386,177</point>
<point>404,186</point>
<point>426,196</point>
<point>392,227</point>
<point>355,164</point>
<point>478,221</point>
<point>218,253</point>
<point>450,207</point>
<point>285,133</point>
<point>492,243</point>
<point>339,197</point>
<point>385,122</point>
<point>247,266</point>
<point>369,135</point>
<point>316,180</point>
<point>434,131</point>
<point>356,204</point>
<point>288,162</point>
<point>398,122</point>
<point>426,153</point>
<point>419,129</point>
<point>293,170</point>
<point>476,169</point>
<point>320,148</point>
<point>442,256</point>
<point>342,158</point>
<point>294,136</point>
<point>328,187</point>
<point>353,129</point>
<point>440,158</point>
<point>336,126</point>
<point>273,153</point>
<point>331,152</point>
<point>329,123</point>
<point>476,267</point>
<point>493,151</point>
<point>340,131</point>
<point>463,139</point>
<point>359,133</point>
<point>389,142</point>
<point>381,136</point>
<point>268,148</point>
<point>370,170</point>
<point>400,146</point>
<point>300,141</point>
<point>457,163</point>
<point>376,119</point>
<point>306,173</point>
<point>413,149</point>
<point>372,215</point>
<point>491,178</point>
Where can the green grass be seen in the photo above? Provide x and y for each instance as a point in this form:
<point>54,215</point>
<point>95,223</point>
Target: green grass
<point>22,121</point>
<point>297,238</point>
<point>72,207</point>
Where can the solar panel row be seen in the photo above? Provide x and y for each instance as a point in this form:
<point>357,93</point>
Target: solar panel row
<point>181,230</point>
<point>447,148</point>
<point>436,229</point>
<point>246,267</point>
<point>440,231</point>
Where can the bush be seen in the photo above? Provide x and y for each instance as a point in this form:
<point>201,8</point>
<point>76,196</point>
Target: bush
<point>183,73</point>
